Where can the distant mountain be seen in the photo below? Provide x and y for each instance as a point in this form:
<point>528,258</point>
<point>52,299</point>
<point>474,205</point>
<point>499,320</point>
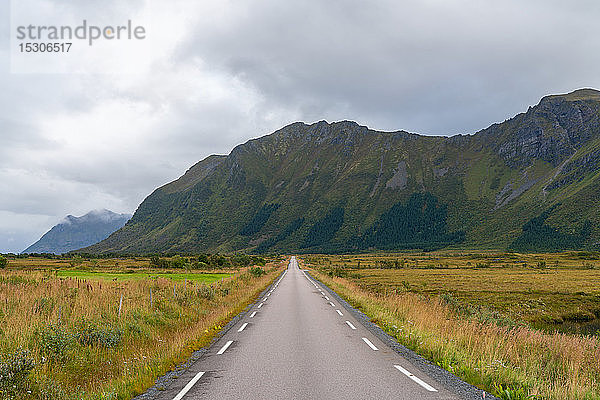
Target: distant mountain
<point>531,182</point>
<point>76,232</point>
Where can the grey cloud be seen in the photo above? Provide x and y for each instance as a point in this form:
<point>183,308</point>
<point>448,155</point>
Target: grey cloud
<point>241,69</point>
<point>422,66</point>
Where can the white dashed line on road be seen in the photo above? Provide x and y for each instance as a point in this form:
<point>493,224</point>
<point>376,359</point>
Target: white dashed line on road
<point>350,325</point>
<point>225,347</point>
<point>339,312</point>
<point>371,345</point>
<point>188,386</point>
<point>253,314</point>
<point>243,327</point>
<point>260,305</point>
<point>414,378</point>
<point>332,305</point>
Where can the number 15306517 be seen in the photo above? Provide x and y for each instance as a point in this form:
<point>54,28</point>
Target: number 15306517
<point>44,47</point>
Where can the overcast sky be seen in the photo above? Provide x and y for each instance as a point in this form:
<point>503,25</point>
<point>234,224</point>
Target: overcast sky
<point>213,74</point>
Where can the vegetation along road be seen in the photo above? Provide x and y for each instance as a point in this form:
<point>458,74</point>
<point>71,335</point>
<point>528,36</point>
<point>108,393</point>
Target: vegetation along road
<point>300,341</point>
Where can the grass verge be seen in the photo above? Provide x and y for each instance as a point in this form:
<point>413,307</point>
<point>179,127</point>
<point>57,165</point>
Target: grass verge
<point>511,362</point>
<point>72,338</point>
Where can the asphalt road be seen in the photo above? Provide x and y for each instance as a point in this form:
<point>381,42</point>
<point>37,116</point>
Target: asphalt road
<point>298,343</point>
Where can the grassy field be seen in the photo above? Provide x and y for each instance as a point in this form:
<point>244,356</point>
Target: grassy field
<point>107,332</point>
<point>203,277</point>
<point>40,263</point>
<point>493,319</point>
<point>548,291</point>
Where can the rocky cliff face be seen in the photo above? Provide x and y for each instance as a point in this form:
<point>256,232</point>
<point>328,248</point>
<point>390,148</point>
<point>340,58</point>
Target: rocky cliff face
<point>552,131</point>
<point>345,181</point>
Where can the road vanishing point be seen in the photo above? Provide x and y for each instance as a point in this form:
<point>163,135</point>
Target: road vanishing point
<point>297,342</point>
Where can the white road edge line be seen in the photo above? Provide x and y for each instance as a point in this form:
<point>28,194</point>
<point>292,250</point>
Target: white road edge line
<point>350,325</point>
<point>225,347</point>
<point>339,312</point>
<point>243,326</point>
<point>253,314</point>
<point>260,305</point>
<point>414,378</point>
<point>187,387</point>
<point>371,345</point>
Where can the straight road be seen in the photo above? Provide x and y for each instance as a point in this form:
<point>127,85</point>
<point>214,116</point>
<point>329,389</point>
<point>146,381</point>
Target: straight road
<point>298,343</point>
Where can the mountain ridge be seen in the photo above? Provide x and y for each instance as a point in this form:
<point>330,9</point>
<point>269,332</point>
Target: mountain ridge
<point>73,233</point>
<point>489,183</point>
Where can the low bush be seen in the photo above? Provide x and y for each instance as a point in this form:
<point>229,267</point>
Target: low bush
<point>206,292</point>
<point>90,334</point>
<point>257,271</point>
<point>14,370</point>
<point>54,342</point>
<point>336,272</point>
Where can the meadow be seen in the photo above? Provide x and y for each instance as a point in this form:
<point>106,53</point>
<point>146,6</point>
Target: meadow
<point>521,326</point>
<point>107,329</point>
<point>203,277</point>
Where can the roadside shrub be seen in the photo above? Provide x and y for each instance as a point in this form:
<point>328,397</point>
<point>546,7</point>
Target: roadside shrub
<point>219,261</point>
<point>259,260</point>
<point>241,260</point>
<point>206,292</point>
<point>179,262</point>
<point>90,334</point>
<point>14,370</point>
<point>158,262</point>
<point>337,272</point>
<point>203,258</point>
<point>54,342</point>
<point>3,262</point>
<point>482,314</point>
<point>200,265</point>
<point>257,272</point>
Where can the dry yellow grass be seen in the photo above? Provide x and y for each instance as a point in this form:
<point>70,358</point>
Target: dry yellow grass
<point>83,347</point>
<point>529,362</point>
<point>550,291</point>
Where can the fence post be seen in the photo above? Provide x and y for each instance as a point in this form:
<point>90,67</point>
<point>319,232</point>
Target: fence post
<point>120,305</point>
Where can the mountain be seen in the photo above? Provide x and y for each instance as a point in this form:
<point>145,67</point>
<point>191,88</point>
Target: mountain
<point>76,232</point>
<point>531,182</point>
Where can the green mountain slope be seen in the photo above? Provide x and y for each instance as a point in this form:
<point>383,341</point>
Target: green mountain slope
<point>344,187</point>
